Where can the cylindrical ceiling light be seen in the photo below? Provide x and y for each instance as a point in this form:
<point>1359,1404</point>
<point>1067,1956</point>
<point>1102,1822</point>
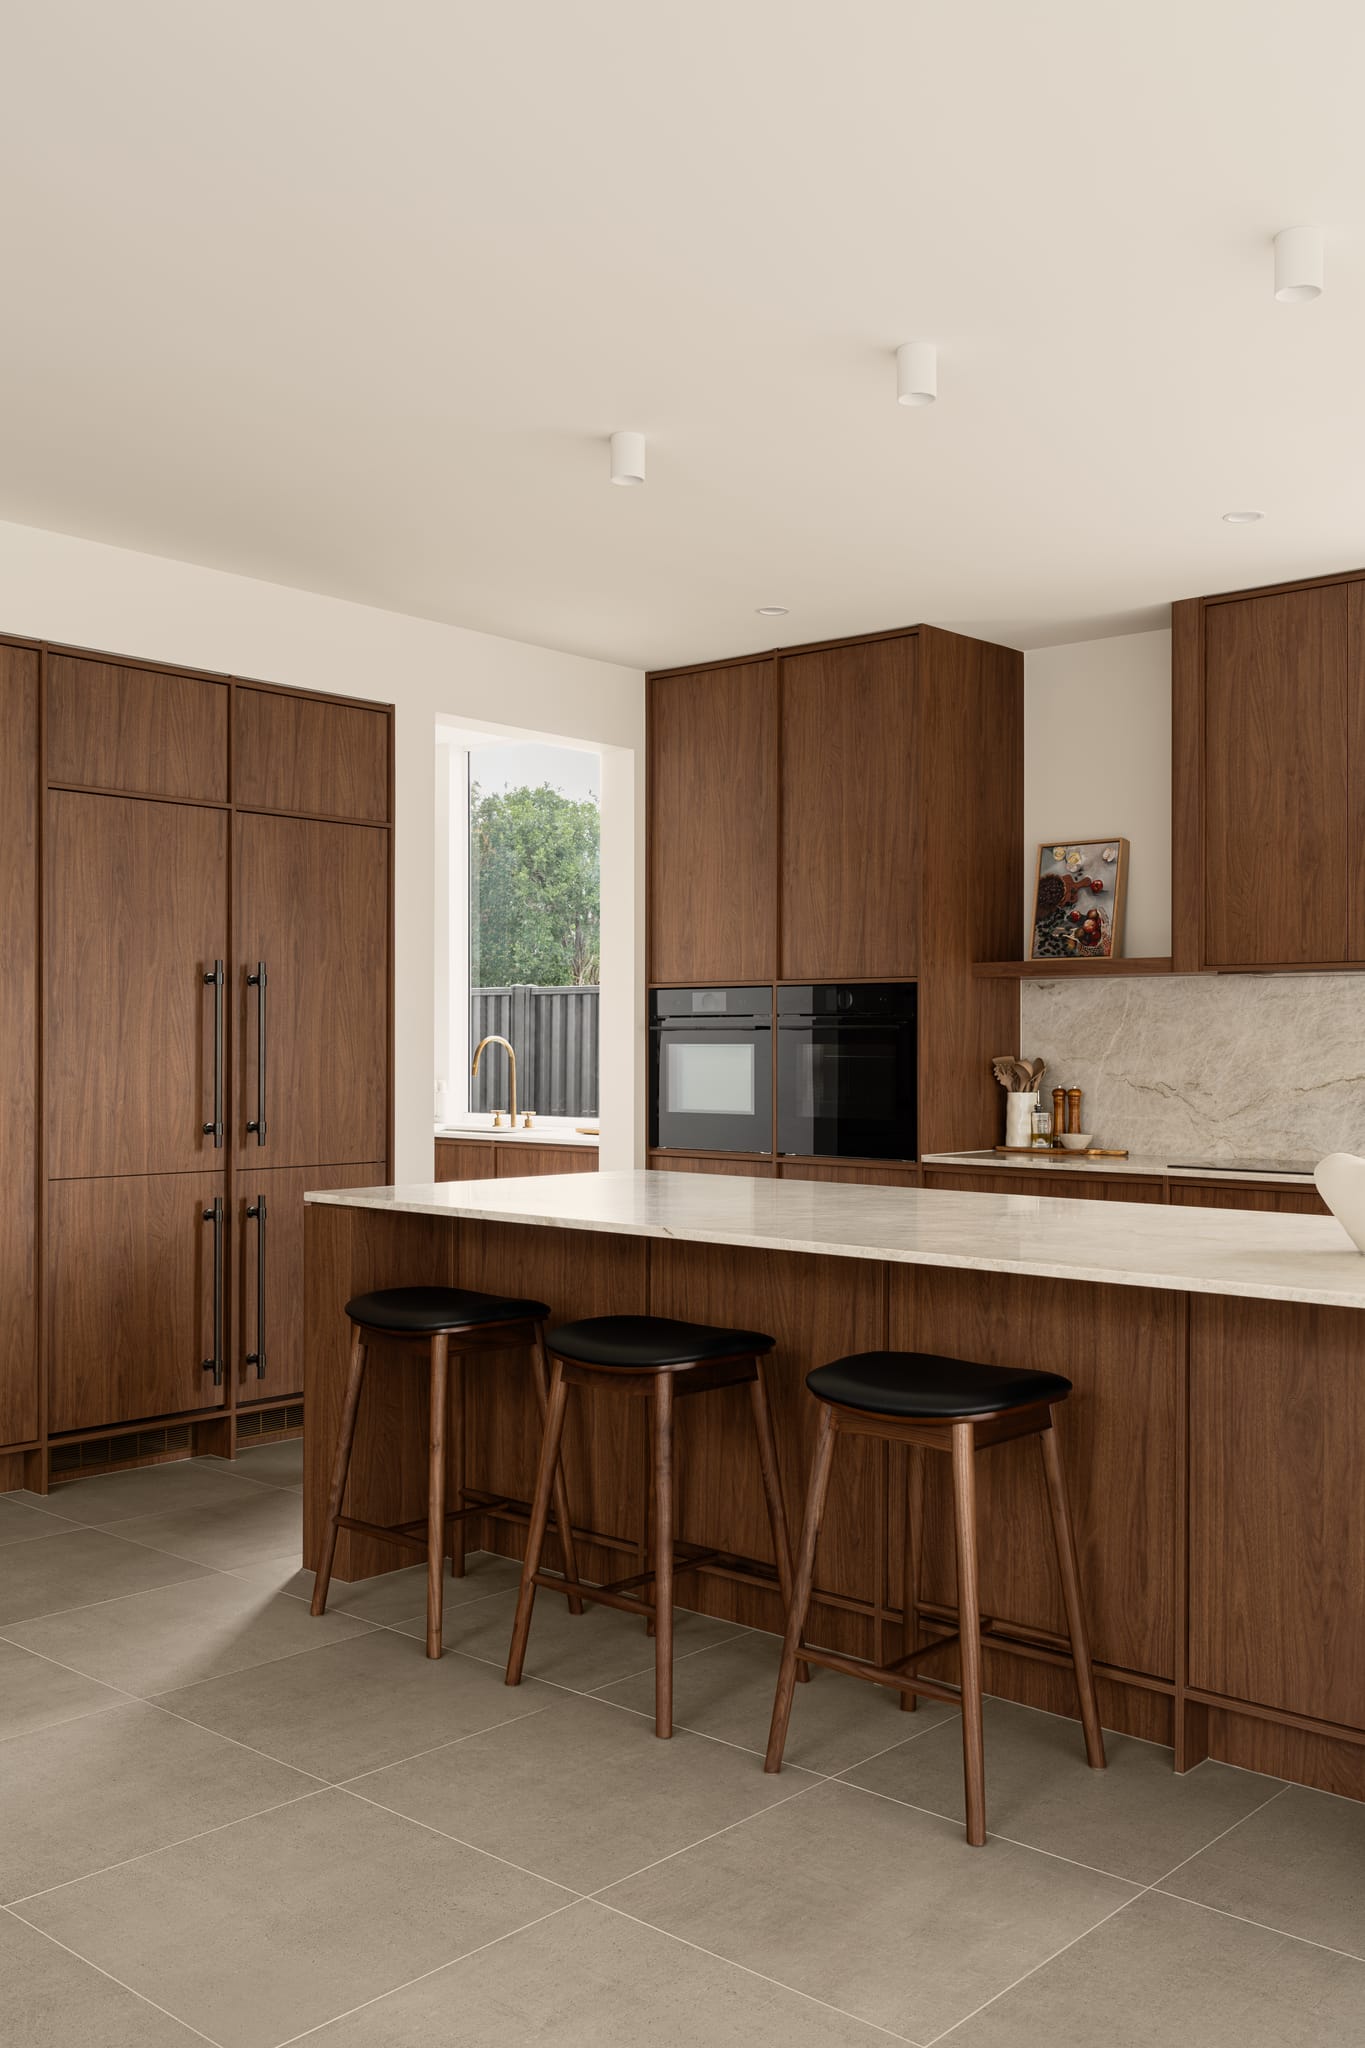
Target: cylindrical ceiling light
<point>627,458</point>
<point>1298,265</point>
<point>917,373</point>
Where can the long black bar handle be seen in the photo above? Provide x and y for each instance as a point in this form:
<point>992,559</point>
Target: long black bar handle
<point>214,1215</point>
<point>257,1122</point>
<point>257,1357</point>
<point>214,980</point>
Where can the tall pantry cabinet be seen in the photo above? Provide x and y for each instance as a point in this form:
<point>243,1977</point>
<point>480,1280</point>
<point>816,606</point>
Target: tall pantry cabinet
<point>206,994</point>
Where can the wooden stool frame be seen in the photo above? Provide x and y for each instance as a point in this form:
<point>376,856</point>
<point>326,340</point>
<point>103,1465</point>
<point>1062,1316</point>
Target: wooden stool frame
<point>660,1386</point>
<point>960,1439</point>
<point>446,1462</point>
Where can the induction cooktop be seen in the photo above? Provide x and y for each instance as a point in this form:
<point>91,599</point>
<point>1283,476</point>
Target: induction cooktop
<point>1293,1166</point>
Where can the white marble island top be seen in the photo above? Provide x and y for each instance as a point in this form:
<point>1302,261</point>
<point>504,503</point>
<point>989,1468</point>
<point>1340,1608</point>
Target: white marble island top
<point>1124,1244</point>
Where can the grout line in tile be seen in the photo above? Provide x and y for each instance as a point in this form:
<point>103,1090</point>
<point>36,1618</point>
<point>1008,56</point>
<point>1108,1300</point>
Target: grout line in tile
<point>747,1969</point>
<point>1024,1975</point>
<point>627,1876</point>
<point>349,1784</point>
<point>161,1849</point>
<point>500,1663</point>
<point>1222,1834</point>
<point>451,1963</point>
<point>109,1976</point>
<point>994,1834</point>
<point>462,1841</point>
<point>1267,1927</point>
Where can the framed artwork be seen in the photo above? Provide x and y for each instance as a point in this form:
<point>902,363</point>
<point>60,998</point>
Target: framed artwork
<point>1078,900</point>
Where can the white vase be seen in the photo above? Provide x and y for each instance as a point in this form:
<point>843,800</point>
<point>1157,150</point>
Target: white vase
<point>1019,1118</point>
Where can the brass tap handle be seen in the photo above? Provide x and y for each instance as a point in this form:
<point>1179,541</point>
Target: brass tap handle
<point>527,1119</point>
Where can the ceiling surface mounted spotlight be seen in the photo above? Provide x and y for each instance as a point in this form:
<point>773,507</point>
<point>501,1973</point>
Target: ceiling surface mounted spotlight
<point>627,457</point>
<point>1298,265</point>
<point>917,373</point>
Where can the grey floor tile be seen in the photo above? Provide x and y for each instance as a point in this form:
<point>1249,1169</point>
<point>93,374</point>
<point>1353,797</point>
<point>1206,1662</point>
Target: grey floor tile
<point>584,1793</point>
<point>111,1497</point>
<point>879,1910</point>
<point>587,1978</point>
<point>257,1932</point>
<point>1162,1972</point>
<point>35,1693</point>
<point>728,1692</point>
<point>21,1521</point>
<point>585,1651</point>
<point>393,1597</point>
<point>80,1567</point>
<point>357,1706</point>
<point>232,1523</point>
<point>180,1635</point>
<point>1299,1865</point>
<point>278,1464</point>
<point>88,1793</point>
<point>1135,1818</point>
<point>51,1999</point>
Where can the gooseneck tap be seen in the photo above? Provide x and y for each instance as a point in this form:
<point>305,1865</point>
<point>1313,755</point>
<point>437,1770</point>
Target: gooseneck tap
<point>512,1062</point>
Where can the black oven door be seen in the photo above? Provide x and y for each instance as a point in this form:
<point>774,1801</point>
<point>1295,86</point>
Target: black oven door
<point>846,1083</point>
<point>711,1082</point>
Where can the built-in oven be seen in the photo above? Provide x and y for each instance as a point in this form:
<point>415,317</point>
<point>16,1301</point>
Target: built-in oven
<point>711,1069</point>
<point>846,1073</point>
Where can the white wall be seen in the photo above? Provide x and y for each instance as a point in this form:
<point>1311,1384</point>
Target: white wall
<point>55,587</point>
<point>1097,762</point>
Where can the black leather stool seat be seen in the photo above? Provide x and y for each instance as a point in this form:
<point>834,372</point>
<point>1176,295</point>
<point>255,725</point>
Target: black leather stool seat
<point>921,1384</point>
<point>649,1343</point>
<point>425,1311</point>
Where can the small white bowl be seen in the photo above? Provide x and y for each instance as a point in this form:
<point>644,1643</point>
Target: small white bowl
<point>1076,1141</point>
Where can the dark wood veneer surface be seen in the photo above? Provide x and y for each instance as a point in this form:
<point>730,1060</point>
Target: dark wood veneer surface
<point>284,1188</point>
<point>305,754</point>
<point>19,1413</point>
<point>149,731</point>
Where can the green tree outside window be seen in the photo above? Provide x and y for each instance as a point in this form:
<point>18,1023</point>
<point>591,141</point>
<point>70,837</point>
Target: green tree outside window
<point>534,884</point>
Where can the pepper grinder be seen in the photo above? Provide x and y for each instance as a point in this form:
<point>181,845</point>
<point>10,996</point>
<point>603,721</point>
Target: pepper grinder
<point>1073,1109</point>
<point>1058,1125</point>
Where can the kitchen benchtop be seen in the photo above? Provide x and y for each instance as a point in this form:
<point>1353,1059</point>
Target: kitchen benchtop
<point>1125,1244</point>
<point>1139,1165</point>
<point>550,1130</point>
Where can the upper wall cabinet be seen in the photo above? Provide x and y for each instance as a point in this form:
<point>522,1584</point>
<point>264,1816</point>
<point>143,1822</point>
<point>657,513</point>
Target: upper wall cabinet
<point>138,730</point>
<point>713,824</point>
<point>306,755</point>
<point>849,889</point>
<point>1269,814</point>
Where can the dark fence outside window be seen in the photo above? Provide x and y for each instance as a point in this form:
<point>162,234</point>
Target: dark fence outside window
<point>554,1035</point>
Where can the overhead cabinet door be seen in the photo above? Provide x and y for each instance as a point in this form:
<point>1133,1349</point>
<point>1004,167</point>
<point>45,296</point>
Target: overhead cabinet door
<point>304,754</point>
<point>1277,713</point>
<point>111,726</point>
<point>311,995</point>
<point>136,925</point>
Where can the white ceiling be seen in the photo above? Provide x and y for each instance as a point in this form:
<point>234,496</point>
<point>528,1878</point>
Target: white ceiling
<point>348,295</point>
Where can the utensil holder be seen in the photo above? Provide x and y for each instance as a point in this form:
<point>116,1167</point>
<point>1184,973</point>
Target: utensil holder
<point>1019,1110</point>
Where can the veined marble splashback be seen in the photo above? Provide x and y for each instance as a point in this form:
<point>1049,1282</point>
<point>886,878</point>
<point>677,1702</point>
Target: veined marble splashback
<point>1216,1067</point>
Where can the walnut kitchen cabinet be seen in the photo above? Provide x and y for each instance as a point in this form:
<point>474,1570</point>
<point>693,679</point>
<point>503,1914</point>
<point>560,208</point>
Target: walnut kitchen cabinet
<point>19,1401</point>
<point>489,1159</point>
<point>1268,773</point>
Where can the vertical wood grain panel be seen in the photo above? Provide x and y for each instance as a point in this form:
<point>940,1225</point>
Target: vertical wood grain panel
<point>18,1043</point>
<point>1275,778</point>
<point>459,1159</point>
<point>142,730</point>
<point>712,824</point>
<point>305,754</point>
<point>283,1188</point>
<point>849,894</point>
<point>1356,767</point>
<point>521,1160</point>
<point>1187,787</point>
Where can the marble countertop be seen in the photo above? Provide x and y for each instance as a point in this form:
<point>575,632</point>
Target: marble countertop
<point>1145,1167</point>
<point>546,1130</point>
<point>1124,1244</point>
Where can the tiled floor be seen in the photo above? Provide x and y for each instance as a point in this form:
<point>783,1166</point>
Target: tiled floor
<point>223,1821</point>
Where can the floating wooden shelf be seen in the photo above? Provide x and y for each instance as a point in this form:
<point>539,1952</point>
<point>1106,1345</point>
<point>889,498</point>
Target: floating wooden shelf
<point>1062,970</point>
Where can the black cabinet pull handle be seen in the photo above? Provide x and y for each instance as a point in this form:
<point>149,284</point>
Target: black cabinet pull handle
<point>214,980</point>
<point>257,1122</point>
<point>257,1357</point>
<point>214,1215</point>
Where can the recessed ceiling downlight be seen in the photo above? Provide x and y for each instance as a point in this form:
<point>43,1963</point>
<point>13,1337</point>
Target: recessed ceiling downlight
<point>1242,518</point>
<point>772,611</point>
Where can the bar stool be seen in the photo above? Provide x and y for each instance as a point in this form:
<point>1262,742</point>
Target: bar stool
<point>657,1359</point>
<point>937,1404</point>
<point>450,1322</point>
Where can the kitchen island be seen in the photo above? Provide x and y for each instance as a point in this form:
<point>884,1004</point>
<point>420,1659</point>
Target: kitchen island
<point>1213,1444</point>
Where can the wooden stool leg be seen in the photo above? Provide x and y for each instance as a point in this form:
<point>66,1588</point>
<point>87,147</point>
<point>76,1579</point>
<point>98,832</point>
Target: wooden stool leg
<point>436,1492</point>
<point>969,1630</point>
<point>914,1539</point>
<point>816,1491</point>
<point>540,1373</point>
<point>647,1510</point>
<point>1071,1594</point>
<point>556,1401</point>
<point>455,1425</point>
<point>772,1494</point>
<point>341,1465</point>
<point>662,1409</point>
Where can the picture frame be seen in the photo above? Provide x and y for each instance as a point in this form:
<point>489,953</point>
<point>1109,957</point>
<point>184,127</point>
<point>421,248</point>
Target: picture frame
<point>1079,888</point>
